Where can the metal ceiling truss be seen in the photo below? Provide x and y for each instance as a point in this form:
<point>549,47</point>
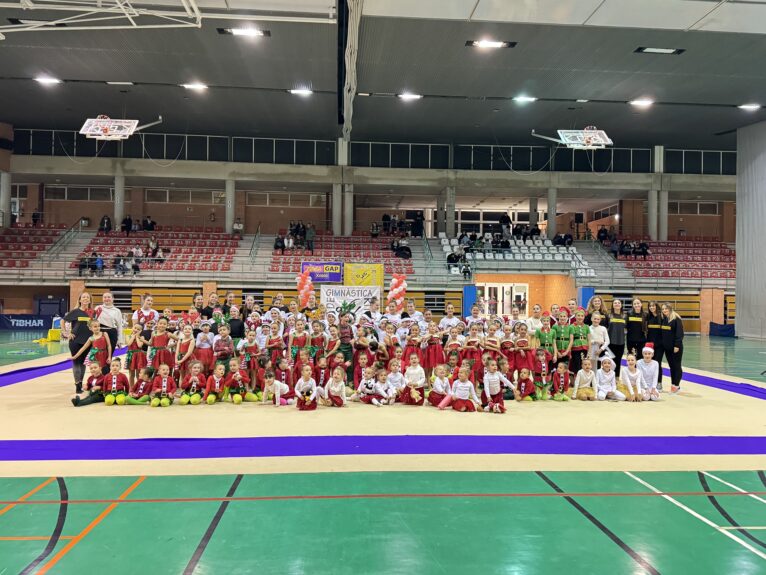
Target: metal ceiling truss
<point>124,15</point>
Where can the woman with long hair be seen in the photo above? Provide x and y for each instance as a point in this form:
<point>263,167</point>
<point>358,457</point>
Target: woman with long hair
<point>635,321</point>
<point>79,334</point>
<point>616,330</point>
<point>654,332</point>
<point>596,305</point>
<point>673,343</point>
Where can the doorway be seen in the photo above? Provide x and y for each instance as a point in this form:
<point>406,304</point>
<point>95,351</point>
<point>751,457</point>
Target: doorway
<point>500,299</point>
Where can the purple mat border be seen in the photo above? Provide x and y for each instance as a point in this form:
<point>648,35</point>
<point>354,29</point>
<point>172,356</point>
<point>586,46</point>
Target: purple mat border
<point>239,447</point>
<point>27,373</point>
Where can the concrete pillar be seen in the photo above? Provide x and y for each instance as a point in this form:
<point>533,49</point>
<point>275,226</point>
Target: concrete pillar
<point>119,200</point>
<point>533,212</point>
<point>440,223</point>
<point>342,152</point>
<point>5,199</point>
<point>337,209</point>
<point>230,205</point>
<point>449,200</point>
<point>348,209</point>
<point>552,203</point>
<point>662,234</point>
<point>652,214</point>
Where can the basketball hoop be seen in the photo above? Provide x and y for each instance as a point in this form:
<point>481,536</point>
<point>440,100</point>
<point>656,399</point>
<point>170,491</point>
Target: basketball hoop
<point>105,128</point>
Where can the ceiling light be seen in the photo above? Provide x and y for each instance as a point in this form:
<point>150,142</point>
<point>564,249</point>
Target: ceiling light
<point>409,96</point>
<point>301,92</point>
<point>641,102</point>
<point>246,32</point>
<point>674,51</point>
<point>581,101</point>
<point>195,86</point>
<point>524,99</point>
<point>750,107</point>
<point>486,44</point>
<point>364,94</point>
<point>47,80</point>
<point>120,83</point>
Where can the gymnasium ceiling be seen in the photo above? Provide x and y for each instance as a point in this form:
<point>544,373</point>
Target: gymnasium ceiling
<point>566,50</point>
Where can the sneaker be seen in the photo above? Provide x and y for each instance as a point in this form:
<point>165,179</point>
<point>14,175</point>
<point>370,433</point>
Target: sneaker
<point>675,389</point>
<point>75,401</point>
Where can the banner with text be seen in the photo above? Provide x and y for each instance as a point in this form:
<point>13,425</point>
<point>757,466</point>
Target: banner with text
<point>355,299</point>
<point>25,321</point>
<point>329,272</point>
<point>364,275</point>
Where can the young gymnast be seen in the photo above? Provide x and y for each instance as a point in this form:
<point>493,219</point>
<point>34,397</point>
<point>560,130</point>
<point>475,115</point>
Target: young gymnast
<point>599,337</point>
<point>472,350</point>
<point>93,388</point>
<point>322,373</point>
<point>249,351</point>
<point>214,390</point>
<point>492,394</point>
<point>607,382</point>
<point>433,354</point>
<point>464,396</point>
<point>336,388</point>
<point>541,375</point>
<point>395,382</point>
<point>560,382</point>
<point>585,382</point>
<point>163,387</point>
<point>279,392</point>
<point>193,385</point>
<point>373,388</point>
<point>115,384</point>
<point>141,390</point>
<point>159,345</point>
<point>306,390</point>
<point>237,384</point>
<point>223,347</point>
<point>525,386</point>
<point>415,378</point>
<point>631,382</point>
<point>203,348</point>
<point>650,370</point>
<point>440,388</point>
<point>135,360</point>
<point>100,348</point>
<point>185,350</point>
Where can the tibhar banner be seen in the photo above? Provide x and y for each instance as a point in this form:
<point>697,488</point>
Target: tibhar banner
<point>353,299</point>
<point>25,321</point>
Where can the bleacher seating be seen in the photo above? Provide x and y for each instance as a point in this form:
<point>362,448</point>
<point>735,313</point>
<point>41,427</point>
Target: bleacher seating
<point>357,248</point>
<point>191,248</point>
<point>23,243</point>
<point>684,259</point>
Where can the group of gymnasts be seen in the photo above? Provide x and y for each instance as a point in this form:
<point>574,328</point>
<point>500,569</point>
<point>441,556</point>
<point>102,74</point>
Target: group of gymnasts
<point>312,357</point>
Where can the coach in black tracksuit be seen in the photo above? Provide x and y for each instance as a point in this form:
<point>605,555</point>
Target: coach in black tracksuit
<point>673,343</point>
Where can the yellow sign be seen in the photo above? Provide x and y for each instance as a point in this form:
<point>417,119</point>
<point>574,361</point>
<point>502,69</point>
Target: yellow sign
<point>363,275</point>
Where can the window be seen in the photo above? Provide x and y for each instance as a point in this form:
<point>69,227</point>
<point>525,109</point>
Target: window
<point>672,207</point>
<point>257,199</point>
<point>178,196</point>
<point>687,208</point>
<point>470,216</point>
<point>19,191</point>
<point>55,193</point>
<point>219,198</point>
<point>201,197</point>
<point>276,199</point>
<point>99,194</point>
<point>300,200</point>
<point>80,194</point>
<point>156,196</point>
<point>470,228</point>
<point>708,208</point>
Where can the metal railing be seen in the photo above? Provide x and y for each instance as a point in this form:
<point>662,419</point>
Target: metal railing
<point>254,246</point>
<point>707,162</point>
<point>63,241</point>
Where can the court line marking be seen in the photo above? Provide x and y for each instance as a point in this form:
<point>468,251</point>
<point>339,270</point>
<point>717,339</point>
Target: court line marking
<point>748,528</point>
<point>192,565</point>
<point>603,528</point>
<point>725,514</point>
<point>719,480</point>
<point>79,537</point>
<point>377,496</point>
<point>33,537</point>
<point>55,537</point>
<point>693,513</point>
<point>26,496</point>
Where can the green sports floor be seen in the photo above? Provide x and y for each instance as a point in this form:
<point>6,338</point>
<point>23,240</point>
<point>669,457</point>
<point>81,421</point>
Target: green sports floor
<point>456,522</point>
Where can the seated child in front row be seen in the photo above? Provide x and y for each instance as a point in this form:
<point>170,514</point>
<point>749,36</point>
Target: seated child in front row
<point>464,396</point>
<point>279,392</point>
<point>193,385</point>
<point>440,388</point>
<point>215,388</point>
<point>141,389</point>
<point>336,388</point>
<point>163,387</point>
<point>237,383</point>
<point>492,394</point>
<point>306,390</point>
<point>372,388</point>
<point>607,383</point>
<point>115,384</point>
<point>525,387</point>
<point>93,392</point>
<point>585,382</point>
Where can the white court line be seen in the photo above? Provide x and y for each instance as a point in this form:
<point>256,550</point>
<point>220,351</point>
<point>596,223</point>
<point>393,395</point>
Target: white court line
<point>693,513</point>
<point>745,528</point>
<point>733,486</point>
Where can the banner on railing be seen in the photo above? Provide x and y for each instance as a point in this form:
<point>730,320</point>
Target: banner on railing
<point>18,322</point>
<point>355,299</point>
<point>364,275</point>
<point>324,272</point>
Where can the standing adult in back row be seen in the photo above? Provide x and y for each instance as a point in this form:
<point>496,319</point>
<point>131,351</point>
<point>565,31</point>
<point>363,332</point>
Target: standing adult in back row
<point>673,343</point>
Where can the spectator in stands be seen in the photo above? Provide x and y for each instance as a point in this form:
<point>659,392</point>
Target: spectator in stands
<point>290,242</point>
<point>105,225</point>
<point>487,244</point>
<point>374,230</point>
<point>153,247</point>
<point>136,225</point>
<point>386,219</point>
<point>534,232</point>
<point>137,253</point>
<point>149,224</point>
<point>162,255</point>
<point>99,265</point>
<point>127,225</point>
<point>568,240</point>
<point>462,239</point>
<point>625,248</point>
<point>453,259</point>
<point>133,264</point>
<point>279,243</point>
<point>83,265</point>
<point>394,245</point>
<point>614,247</point>
<point>559,240</point>
<point>602,235</point>
<point>417,224</point>
<point>505,220</point>
<point>36,217</point>
<point>505,244</point>
<point>643,249</point>
<point>237,228</point>
<point>311,234</point>
<point>466,271</point>
<point>518,230</point>
<point>300,237</point>
<point>120,269</point>
<point>402,226</point>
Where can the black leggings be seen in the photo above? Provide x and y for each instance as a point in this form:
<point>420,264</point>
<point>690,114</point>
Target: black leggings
<point>659,353</point>
<point>78,365</point>
<point>617,350</point>
<point>636,347</point>
<point>674,362</point>
<point>575,362</point>
<point>111,333</point>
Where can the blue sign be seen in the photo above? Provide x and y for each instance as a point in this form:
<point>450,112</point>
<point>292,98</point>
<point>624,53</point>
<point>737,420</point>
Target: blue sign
<point>324,272</point>
<point>17,322</point>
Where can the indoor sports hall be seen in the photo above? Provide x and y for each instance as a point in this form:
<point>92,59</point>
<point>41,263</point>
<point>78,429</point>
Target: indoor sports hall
<point>375,286</point>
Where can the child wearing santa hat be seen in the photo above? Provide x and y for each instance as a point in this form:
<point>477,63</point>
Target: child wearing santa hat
<point>650,370</point>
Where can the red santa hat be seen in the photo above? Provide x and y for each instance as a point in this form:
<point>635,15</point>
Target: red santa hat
<point>546,314</point>
<point>648,346</point>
